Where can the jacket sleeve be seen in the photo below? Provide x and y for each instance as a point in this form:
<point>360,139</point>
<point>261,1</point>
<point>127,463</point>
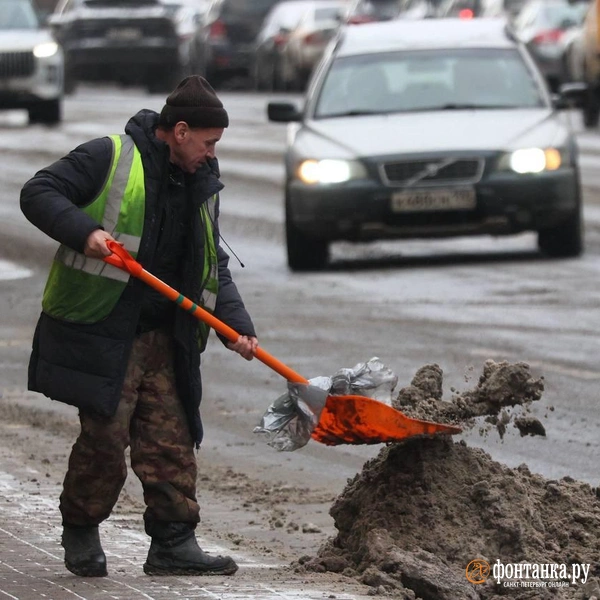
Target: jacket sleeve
<point>230,307</point>
<point>52,198</point>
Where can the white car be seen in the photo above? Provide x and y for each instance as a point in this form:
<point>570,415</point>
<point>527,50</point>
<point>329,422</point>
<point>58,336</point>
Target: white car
<point>31,64</point>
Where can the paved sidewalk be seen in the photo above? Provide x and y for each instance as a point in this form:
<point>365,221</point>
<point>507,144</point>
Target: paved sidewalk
<point>31,558</point>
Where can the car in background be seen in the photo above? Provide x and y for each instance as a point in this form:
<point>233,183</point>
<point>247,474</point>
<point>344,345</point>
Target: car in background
<point>127,41</point>
<point>307,41</point>
<point>541,26</point>
<point>271,39</point>
<point>590,66</point>
<point>573,54</point>
<point>186,14</point>
<point>469,9</point>
<point>224,41</point>
<point>31,64</point>
<point>430,128</point>
<point>368,11</point>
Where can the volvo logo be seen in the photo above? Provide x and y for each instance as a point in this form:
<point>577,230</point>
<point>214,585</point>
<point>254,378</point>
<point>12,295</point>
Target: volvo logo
<point>430,170</point>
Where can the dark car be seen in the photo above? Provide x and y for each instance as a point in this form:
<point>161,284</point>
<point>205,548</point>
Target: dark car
<point>224,41</point>
<point>428,128</point>
<point>129,41</point>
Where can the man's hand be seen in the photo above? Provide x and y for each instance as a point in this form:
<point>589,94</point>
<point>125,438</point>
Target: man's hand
<point>244,346</point>
<point>95,245</point>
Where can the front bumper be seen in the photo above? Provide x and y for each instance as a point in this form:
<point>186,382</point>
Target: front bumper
<point>44,84</point>
<point>506,203</point>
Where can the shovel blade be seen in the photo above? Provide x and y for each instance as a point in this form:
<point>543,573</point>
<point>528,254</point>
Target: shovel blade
<point>362,420</point>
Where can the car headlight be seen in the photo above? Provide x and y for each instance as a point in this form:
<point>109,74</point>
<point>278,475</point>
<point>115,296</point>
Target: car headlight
<point>533,160</point>
<point>45,50</point>
<point>330,171</point>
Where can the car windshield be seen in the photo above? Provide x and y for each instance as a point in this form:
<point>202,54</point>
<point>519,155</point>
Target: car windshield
<point>428,80</point>
<point>16,14</point>
<point>381,9</point>
<point>327,14</point>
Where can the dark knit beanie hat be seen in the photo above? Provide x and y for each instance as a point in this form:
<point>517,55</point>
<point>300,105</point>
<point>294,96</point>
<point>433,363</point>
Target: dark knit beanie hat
<point>195,102</point>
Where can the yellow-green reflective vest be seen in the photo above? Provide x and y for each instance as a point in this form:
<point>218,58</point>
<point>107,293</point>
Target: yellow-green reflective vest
<point>85,290</point>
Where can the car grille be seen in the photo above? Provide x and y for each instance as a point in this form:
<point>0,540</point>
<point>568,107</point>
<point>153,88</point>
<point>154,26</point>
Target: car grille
<point>433,171</point>
<point>16,64</point>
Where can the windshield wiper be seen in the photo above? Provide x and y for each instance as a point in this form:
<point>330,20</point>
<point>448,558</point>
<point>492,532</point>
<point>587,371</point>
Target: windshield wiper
<point>465,106</point>
<point>353,113</point>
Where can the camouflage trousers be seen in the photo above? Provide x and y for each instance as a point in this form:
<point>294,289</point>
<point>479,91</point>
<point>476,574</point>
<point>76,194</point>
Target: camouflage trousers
<point>150,421</point>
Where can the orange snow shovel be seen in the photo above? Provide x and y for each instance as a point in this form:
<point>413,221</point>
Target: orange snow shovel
<point>343,420</point>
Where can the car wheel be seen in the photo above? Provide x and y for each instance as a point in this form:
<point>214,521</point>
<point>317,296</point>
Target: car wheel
<point>564,240</point>
<point>591,108</point>
<point>303,252</point>
<point>48,112</point>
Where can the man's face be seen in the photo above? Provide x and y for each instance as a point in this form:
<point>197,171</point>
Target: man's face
<point>195,146</point>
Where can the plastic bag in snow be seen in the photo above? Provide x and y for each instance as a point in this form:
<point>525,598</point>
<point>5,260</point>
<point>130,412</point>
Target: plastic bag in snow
<point>290,420</point>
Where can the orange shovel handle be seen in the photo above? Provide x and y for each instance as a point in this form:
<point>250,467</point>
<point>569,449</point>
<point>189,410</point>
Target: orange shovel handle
<point>345,419</point>
<point>121,259</point>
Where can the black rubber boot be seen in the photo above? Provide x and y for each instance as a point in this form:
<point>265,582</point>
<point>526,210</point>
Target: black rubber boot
<point>175,551</point>
<point>83,553</point>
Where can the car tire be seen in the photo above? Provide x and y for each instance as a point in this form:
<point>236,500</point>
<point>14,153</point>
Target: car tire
<point>564,240</point>
<point>303,252</point>
<point>48,112</point>
<point>591,108</point>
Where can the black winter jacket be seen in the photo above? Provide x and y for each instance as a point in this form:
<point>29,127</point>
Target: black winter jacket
<point>84,365</point>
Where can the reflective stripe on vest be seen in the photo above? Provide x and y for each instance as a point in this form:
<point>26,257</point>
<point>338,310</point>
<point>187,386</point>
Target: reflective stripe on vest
<point>83,289</point>
<point>210,274</point>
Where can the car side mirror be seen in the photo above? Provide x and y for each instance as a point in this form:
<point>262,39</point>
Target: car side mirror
<point>571,95</point>
<point>283,112</point>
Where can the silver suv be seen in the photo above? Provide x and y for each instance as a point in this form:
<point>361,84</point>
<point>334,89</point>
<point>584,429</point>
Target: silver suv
<point>31,64</point>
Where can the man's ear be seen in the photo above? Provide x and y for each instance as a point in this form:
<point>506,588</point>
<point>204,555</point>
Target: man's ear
<point>181,131</point>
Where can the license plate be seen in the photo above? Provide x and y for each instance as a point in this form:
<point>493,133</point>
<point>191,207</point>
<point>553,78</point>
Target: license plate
<point>124,34</point>
<point>438,199</point>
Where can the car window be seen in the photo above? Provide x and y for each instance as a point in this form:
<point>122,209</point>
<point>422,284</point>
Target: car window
<point>327,14</point>
<point>428,80</point>
<point>16,14</point>
<point>380,9</point>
